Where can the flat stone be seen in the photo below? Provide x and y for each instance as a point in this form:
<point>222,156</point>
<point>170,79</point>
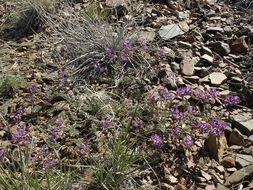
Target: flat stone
<point>169,52</point>
<point>221,187</point>
<point>210,187</point>
<point>185,44</point>
<point>217,78</point>
<point>187,65</point>
<point>184,26</point>
<point>228,161</point>
<point>221,48</point>
<point>240,175</point>
<point>207,58</point>
<point>220,169</point>
<point>244,123</point>
<point>248,150</point>
<point>207,51</point>
<point>170,31</point>
<point>214,29</point>
<point>243,159</point>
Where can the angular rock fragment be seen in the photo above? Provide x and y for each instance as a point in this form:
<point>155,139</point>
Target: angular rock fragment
<point>239,45</point>
<point>240,175</point>
<point>217,78</point>
<point>221,48</point>
<point>170,31</point>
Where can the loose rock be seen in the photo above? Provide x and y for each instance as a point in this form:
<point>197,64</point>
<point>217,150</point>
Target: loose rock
<point>217,78</point>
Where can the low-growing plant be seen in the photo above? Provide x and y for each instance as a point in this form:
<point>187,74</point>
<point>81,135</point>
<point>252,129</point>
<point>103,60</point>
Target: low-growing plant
<point>10,83</point>
<point>113,168</point>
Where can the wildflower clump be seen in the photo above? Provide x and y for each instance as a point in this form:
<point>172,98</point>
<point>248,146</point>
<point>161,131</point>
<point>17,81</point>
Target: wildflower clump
<point>186,113</point>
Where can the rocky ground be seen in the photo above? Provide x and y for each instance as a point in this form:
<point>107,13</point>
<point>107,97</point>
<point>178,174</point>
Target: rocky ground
<point>201,44</point>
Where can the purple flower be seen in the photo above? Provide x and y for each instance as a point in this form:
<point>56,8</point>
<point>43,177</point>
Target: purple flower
<point>192,111</point>
<point>2,153</point>
<point>176,131</point>
<point>183,91</point>
<point>21,136</point>
<point>176,114</point>
<point>141,44</point>
<point>216,127</point>
<point>62,75</point>
<point>156,140</point>
<point>59,122</point>
<point>105,123</point>
<point>35,158</point>
<point>49,163</point>
<point>151,97</point>
<point>109,53</point>
<point>18,114</point>
<point>136,123</point>
<point>188,142</point>
<point>127,45</point>
<point>32,88</point>
<point>160,53</point>
<point>205,96</point>
<point>231,100</point>
<point>212,91</point>
<point>54,134</point>
<point>163,93</point>
<point>81,149</point>
<point>203,126</point>
<point>99,68</point>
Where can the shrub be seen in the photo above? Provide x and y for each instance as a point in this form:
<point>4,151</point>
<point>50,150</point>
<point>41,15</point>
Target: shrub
<point>10,83</point>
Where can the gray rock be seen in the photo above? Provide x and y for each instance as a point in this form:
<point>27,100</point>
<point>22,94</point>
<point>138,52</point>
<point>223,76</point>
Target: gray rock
<point>214,29</point>
<point>248,150</point>
<point>221,187</point>
<point>221,48</point>
<point>207,51</point>
<point>217,78</point>
<point>207,58</point>
<point>169,53</point>
<point>244,123</point>
<point>170,31</point>
<point>240,175</point>
<point>187,65</point>
<point>243,159</point>
<point>184,26</point>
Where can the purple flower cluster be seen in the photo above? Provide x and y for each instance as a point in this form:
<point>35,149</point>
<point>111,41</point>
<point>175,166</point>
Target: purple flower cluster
<point>176,131</point>
<point>21,136</point>
<point>62,76</point>
<point>99,68</point>
<point>136,123</point>
<point>188,141</point>
<point>127,45</point>
<point>59,122</point>
<point>54,133</point>
<point>49,163</point>
<point>184,91</point>
<point>163,93</point>
<point>18,114</point>
<point>109,53</point>
<point>141,44</point>
<point>32,88</point>
<point>160,54</point>
<point>176,114</point>
<point>105,123</point>
<point>2,153</point>
<point>207,95</point>
<point>231,101</point>
<point>156,140</point>
<point>213,126</point>
<point>81,149</point>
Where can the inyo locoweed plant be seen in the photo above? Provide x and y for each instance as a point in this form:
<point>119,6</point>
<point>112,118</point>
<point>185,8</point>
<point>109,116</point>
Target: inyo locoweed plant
<point>97,48</point>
